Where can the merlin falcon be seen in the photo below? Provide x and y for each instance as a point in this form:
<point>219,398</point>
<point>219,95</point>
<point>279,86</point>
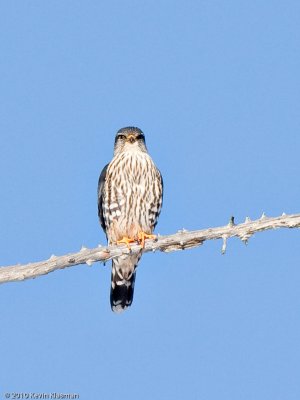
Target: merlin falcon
<point>130,195</point>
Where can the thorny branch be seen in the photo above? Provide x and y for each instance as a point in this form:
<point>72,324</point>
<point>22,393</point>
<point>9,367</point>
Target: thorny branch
<point>179,241</point>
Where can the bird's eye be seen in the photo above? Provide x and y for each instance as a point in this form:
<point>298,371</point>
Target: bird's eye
<point>140,137</point>
<point>122,137</point>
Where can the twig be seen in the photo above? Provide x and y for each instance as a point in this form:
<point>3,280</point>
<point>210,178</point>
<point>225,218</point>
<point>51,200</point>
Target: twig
<point>179,241</point>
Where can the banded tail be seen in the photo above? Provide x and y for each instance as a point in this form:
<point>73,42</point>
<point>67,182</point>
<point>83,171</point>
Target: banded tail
<point>122,282</point>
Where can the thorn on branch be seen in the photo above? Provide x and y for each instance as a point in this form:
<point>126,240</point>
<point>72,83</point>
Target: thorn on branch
<point>231,221</point>
<point>183,230</point>
<point>245,238</point>
<point>224,246</point>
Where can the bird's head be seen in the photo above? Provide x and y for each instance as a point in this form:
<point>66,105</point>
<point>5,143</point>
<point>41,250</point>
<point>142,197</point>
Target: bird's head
<point>130,138</point>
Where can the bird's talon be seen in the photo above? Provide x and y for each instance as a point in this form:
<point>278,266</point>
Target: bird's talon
<point>142,236</point>
<point>127,241</point>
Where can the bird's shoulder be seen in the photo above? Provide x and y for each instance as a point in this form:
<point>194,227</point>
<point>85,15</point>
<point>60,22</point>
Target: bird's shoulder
<point>101,182</point>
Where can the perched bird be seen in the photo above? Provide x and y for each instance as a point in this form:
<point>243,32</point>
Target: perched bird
<point>130,194</point>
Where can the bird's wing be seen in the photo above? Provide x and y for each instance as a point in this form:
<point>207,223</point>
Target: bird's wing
<point>161,199</point>
<point>100,196</point>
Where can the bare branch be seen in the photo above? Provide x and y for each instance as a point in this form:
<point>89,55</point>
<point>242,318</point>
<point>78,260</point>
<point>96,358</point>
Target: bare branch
<point>179,241</point>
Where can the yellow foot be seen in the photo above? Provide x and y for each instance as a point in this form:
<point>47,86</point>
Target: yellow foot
<point>142,236</point>
<point>126,240</point>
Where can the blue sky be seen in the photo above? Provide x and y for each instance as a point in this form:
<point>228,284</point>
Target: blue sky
<point>215,86</point>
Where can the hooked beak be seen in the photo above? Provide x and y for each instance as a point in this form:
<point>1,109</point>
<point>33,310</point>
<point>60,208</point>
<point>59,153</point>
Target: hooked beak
<point>130,138</point>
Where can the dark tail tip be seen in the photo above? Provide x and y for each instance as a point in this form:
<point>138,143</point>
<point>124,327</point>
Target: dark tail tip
<point>121,296</point>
